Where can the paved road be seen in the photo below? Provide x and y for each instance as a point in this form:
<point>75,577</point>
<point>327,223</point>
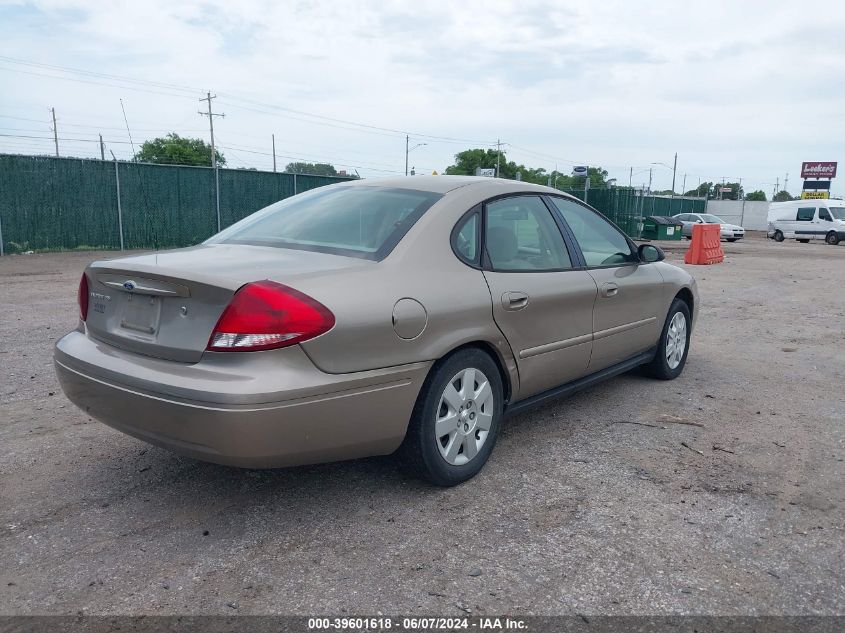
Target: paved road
<point>590,505</point>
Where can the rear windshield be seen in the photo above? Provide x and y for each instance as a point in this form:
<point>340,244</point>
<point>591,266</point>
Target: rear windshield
<point>356,221</point>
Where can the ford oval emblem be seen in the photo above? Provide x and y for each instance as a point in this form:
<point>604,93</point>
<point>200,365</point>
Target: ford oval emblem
<point>129,285</point>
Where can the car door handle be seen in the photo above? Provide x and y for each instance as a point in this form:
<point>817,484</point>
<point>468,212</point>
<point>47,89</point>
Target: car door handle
<point>609,289</point>
<point>514,300</point>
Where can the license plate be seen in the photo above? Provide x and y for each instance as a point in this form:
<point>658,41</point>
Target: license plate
<point>141,314</point>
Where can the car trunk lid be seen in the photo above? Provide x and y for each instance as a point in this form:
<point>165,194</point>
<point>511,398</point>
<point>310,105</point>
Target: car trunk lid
<point>166,304</point>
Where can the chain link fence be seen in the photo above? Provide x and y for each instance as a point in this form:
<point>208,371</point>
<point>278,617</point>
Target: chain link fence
<point>49,203</point>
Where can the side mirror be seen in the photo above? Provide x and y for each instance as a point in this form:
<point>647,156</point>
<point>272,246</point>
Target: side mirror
<point>699,221</point>
<point>649,253</point>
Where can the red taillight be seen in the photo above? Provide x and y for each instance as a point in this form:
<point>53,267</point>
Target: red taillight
<point>82,297</point>
<point>267,315</point>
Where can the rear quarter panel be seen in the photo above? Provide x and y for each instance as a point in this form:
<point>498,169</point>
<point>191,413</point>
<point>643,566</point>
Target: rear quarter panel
<point>423,267</point>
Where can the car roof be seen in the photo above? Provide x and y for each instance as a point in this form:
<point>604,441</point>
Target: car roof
<point>444,184</point>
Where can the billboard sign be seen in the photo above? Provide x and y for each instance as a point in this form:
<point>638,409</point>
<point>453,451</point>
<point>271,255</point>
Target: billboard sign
<point>815,195</point>
<point>487,173</point>
<point>816,184</point>
<point>579,171</point>
<point>818,170</point>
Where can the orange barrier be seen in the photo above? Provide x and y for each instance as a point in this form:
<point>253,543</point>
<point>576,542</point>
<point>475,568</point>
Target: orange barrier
<point>706,245</point>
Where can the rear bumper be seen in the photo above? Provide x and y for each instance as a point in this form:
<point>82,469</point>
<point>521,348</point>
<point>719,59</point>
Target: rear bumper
<point>256,410</point>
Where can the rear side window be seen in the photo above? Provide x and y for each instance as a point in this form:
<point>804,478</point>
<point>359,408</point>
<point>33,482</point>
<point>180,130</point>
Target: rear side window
<point>357,221</point>
<point>601,243</point>
<point>806,214</point>
<point>521,234</point>
<point>467,239</point>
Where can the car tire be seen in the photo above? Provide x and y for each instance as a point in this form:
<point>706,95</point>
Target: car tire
<point>778,236</point>
<point>832,238</point>
<point>445,460</point>
<point>667,363</point>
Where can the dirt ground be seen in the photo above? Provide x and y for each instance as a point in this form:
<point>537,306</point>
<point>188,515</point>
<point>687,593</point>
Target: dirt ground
<point>597,504</point>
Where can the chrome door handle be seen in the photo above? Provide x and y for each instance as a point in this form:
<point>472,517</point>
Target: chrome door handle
<point>609,289</point>
<point>514,300</point>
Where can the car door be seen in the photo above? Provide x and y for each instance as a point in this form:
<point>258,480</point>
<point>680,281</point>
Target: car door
<point>804,223</point>
<point>629,308</point>
<point>541,302</point>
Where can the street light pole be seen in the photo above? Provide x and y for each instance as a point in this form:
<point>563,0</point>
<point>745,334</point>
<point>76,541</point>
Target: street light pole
<point>406,154</point>
<point>674,170</point>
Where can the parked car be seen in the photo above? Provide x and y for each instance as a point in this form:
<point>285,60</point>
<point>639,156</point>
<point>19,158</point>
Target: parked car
<point>728,232</point>
<point>806,220</point>
<point>370,316</point>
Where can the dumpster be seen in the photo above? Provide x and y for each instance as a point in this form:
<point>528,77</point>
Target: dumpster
<point>659,227</point>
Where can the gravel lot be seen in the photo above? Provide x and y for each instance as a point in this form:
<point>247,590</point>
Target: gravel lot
<point>591,505</point>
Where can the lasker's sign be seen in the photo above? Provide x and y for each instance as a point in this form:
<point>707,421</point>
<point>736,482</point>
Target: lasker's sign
<point>818,170</point>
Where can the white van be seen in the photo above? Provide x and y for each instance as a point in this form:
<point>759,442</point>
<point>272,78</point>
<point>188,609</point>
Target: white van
<point>806,220</point>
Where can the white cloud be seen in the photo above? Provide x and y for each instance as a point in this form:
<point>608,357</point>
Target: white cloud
<point>738,89</point>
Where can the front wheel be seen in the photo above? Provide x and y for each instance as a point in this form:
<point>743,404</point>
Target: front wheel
<point>832,238</point>
<point>778,237</point>
<point>671,355</point>
<point>455,421</point>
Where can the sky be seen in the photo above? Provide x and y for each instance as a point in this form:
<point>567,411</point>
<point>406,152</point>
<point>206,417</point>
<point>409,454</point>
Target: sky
<point>738,89</point>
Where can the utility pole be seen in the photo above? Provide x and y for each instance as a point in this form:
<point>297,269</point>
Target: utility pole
<point>102,149</point>
<point>407,151</point>
<point>274,153</point>
<point>55,131</point>
<point>684,186</point>
<point>649,180</point>
<point>211,116</point>
<point>630,177</point>
<point>498,154</point>
<point>785,180</point>
<point>775,192</point>
<point>674,169</point>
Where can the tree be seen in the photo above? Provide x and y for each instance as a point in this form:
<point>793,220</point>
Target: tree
<point>758,196</point>
<point>782,196</point>
<point>312,169</point>
<point>176,150</point>
<point>702,191</point>
<point>468,161</point>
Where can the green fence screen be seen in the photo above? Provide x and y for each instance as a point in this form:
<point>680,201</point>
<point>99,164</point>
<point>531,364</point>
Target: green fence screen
<point>49,203</point>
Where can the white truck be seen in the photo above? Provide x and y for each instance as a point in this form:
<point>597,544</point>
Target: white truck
<point>806,220</point>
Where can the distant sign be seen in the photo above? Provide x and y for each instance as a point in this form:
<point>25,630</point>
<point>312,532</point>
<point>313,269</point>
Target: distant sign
<point>816,184</point>
<point>818,170</point>
<point>815,195</point>
<point>580,171</point>
<point>487,173</point>
<point>725,189</point>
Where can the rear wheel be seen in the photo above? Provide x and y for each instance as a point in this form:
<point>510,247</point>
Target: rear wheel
<point>672,350</point>
<point>832,238</point>
<point>455,421</point>
<point>778,237</point>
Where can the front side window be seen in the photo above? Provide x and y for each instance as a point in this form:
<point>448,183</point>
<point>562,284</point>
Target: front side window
<point>522,235</point>
<point>356,221</point>
<point>824,215</point>
<point>806,214</point>
<point>601,243</point>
